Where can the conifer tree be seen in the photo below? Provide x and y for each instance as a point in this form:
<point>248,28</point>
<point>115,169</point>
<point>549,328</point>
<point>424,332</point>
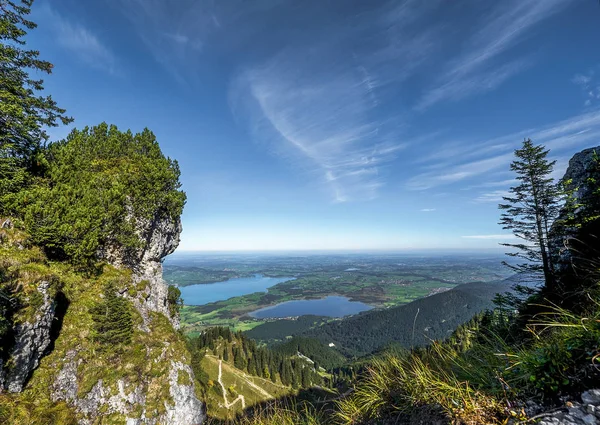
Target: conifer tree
<point>113,322</point>
<point>305,377</point>
<point>530,210</point>
<point>23,113</point>
<point>226,354</point>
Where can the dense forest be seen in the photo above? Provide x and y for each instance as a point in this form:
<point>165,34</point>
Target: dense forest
<point>414,324</point>
<point>285,367</point>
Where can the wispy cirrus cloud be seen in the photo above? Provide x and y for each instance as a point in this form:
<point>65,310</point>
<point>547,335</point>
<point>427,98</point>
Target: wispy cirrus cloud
<point>589,84</point>
<point>81,41</point>
<point>561,137</point>
<point>427,209</point>
<point>321,123</point>
<point>494,196</point>
<point>323,103</point>
<point>477,69</point>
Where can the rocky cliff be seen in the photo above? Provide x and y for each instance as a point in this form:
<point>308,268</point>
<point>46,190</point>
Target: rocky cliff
<point>574,242</point>
<point>159,237</point>
<point>52,350</point>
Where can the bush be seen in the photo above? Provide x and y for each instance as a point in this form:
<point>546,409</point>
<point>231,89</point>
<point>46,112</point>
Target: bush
<point>99,186</point>
<point>565,346</point>
<point>113,322</point>
<point>174,300</point>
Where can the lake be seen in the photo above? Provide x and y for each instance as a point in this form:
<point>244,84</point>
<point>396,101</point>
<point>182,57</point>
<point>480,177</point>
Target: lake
<point>331,306</point>
<point>210,292</point>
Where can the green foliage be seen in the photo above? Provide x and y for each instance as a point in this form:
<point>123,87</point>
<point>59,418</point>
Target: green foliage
<point>18,410</point>
<point>113,322</point>
<point>23,113</point>
<point>397,384</point>
<point>174,300</point>
<point>530,210</point>
<point>312,348</point>
<point>565,344</point>
<point>279,413</point>
<point>101,185</point>
<point>436,316</point>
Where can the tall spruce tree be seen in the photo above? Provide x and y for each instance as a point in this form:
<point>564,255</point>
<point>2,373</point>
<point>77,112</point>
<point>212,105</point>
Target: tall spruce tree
<point>530,210</point>
<point>23,112</point>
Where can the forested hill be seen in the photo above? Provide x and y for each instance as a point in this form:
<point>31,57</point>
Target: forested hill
<point>413,324</point>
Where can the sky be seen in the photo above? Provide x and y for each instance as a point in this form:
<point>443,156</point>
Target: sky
<point>333,124</point>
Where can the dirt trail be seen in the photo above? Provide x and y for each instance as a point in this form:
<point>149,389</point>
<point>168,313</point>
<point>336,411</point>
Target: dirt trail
<point>239,397</point>
<point>247,379</point>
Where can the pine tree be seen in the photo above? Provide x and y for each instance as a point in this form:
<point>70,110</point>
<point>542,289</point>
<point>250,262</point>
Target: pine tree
<point>252,366</point>
<point>226,353</point>
<point>530,210</point>
<point>23,114</point>
<point>272,370</point>
<point>286,372</point>
<point>296,375</point>
<point>238,359</point>
<point>113,322</point>
<point>305,377</point>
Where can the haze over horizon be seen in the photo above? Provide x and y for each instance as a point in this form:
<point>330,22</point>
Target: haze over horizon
<point>339,125</point>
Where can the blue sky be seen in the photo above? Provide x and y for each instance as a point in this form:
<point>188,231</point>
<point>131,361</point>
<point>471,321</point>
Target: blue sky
<point>334,124</point>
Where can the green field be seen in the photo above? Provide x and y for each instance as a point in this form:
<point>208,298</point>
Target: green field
<point>381,283</point>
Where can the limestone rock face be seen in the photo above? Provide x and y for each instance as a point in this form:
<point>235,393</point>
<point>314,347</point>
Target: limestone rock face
<point>32,338</point>
<point>159,237</point>
<point>131,400</point>
<point>578,173</point>
<point>183,408</point>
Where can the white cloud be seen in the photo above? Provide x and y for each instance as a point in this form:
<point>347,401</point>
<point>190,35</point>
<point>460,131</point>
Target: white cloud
<point>427,209</point>
<point>82,42</point>
<point>494,196</point>
<point>474,70</point>
<point>461,88</point>
<point>321,122</point>
<point>497,237</point>
<point>561,137</point>
<point>582,80</point>
<point>319,102</point>
<point>590,85</point>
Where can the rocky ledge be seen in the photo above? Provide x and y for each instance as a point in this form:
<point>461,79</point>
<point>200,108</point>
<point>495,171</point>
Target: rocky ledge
<point>159,237</point>
<point>574,413</point>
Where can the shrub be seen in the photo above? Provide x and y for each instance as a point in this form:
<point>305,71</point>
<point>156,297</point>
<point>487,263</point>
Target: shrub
<point>100,185</point>
<point>174,300</point>
<point>113,322</point>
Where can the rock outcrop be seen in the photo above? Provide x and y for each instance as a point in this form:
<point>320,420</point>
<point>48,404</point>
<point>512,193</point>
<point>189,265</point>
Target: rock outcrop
<point>32,338</point>
<point>55,355</point>
<point>574,413</point>
<point>129,400</point>
<point>159,237</point>
<point>567,240</point>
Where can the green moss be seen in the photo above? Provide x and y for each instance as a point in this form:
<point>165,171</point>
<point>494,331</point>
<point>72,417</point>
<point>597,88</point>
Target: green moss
<point>145,362</point>
<point>183,378</point>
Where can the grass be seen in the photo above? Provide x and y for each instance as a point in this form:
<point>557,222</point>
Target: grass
<point>242,385</point>
<point>279,413</point>
<point>144,363</point>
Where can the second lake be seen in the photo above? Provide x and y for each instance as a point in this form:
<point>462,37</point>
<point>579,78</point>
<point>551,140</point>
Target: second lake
<point>331,306</point>
<point>211,292</point>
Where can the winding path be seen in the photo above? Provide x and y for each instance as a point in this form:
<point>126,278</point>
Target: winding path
<point>239,397</point>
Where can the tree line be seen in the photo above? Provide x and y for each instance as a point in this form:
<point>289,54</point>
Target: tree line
<point>244,354</point>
